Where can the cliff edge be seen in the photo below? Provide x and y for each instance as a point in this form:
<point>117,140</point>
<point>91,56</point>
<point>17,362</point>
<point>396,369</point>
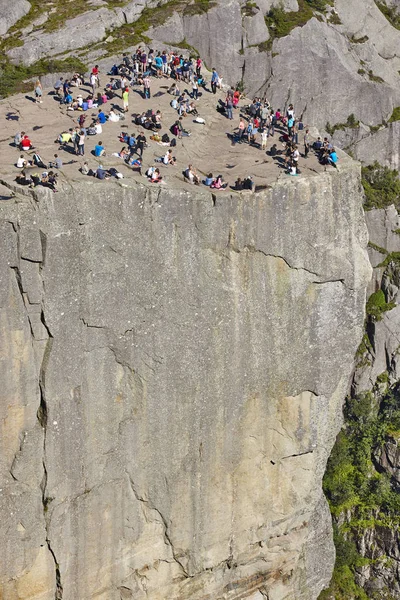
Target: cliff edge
<point>174,366</point>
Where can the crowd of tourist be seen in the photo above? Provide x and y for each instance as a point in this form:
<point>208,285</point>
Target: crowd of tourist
<point>258,122</point>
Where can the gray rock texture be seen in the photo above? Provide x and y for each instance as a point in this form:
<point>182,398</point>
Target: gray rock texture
<point>174,367</point>
<point>11,12</point>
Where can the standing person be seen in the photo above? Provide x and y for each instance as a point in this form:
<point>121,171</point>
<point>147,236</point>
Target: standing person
<point>195,88</point>
<point>58,85</point>
<point>306,143</point>
<point>66,86</point>
<point>81,143</point>
<point>143,61</point>
<point>214,81</point>
<point>38,92</point>
<point>164,62</point>
<point>199,64</point>
<point>93,82</point>
<point>146,86</point>
<point>242,127</point>
<point>229,107</point>
<point>140,144</point>
<point>271,124</point>
<point>264,138</point>
<point>125,99</point>
<point>96,73</point>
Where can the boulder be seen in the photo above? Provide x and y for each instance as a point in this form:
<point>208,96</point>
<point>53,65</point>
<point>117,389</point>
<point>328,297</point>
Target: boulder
<point>256,31</point>
<point>11,12</point>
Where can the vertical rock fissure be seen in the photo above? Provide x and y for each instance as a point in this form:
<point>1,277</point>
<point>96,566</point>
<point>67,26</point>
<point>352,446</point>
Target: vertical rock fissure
<point>42,416</point>
<point>167,537</point>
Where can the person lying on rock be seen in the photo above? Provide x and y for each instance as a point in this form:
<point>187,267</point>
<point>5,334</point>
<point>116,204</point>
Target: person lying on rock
<point>102,173</point>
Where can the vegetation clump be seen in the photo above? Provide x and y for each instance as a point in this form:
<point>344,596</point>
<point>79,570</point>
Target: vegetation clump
<point>390,12</point>
<point>351,123</point>
<point>359,496</point>
<point>395,115</point>
<point>381,186</point>
<point>377,305</point>
<point>15,78</point>
<point>280,23</point>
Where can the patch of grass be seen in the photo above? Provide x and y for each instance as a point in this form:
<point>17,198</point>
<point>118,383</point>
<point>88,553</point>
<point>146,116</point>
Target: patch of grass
<point>135,33</point>
<point>377,248</point>
<point>334,19</point>
<point>377,305</point>
<point>351,123</point>
<point>375,78</point>
<point>13,78</point>
<point>361,71</point>
<point>390,12</point>
<point>381,186</point>
<point>375,128</point>
<point>249,9</point>
<point>281,23</point>
<point>395,115</point>
<point>360,40</point>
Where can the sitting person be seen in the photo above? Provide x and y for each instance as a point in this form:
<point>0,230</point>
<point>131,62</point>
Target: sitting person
<point>248,183</point>
<point>22,162</point>
<point>156,176</point>
<point>209,179</point>
<point>168,158</point>
<point>26,143</point>
<point>192,109</point>
<point>174,90</point>
<point>99,149</point>
<point>238,185</point>
<point>56,163</point>
<point>333,158</point>
<point>86,171</point>
<point>98,128</point>
<point>181,132</point>
<point>191,176</point>
<point>218,183</point>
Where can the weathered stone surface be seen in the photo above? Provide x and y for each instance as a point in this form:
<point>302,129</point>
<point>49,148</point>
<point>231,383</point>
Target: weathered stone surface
<point>11,12</point>
<point>256,29</point>
<point>190,390</point>
<point>382,146</point>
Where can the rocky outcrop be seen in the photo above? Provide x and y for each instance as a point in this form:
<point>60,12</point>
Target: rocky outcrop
<point>373,526</point>
<point>174,367</point>
<point>10,13</point>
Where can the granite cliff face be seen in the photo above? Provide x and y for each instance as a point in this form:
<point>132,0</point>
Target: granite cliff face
<point>173,368</point>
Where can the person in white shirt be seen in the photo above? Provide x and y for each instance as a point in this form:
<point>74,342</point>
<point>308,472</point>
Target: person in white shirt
<point>98,128</point>
<point>21,162</point>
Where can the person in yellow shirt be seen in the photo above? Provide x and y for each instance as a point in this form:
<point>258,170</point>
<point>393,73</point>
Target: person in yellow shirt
<point>125,99</point>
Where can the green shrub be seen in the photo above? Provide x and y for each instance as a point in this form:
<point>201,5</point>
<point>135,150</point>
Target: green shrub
<point>358,495</point>
<point>381,186</point>
<point>390,12</point>
<point>377,305</point>
<point>395,115</point>
<point>13,77</point>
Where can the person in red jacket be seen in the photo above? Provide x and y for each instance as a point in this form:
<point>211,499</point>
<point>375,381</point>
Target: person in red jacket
<point>26,143</point>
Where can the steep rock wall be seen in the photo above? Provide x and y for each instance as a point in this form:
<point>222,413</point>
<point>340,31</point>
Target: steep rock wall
<point>174,367</point>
